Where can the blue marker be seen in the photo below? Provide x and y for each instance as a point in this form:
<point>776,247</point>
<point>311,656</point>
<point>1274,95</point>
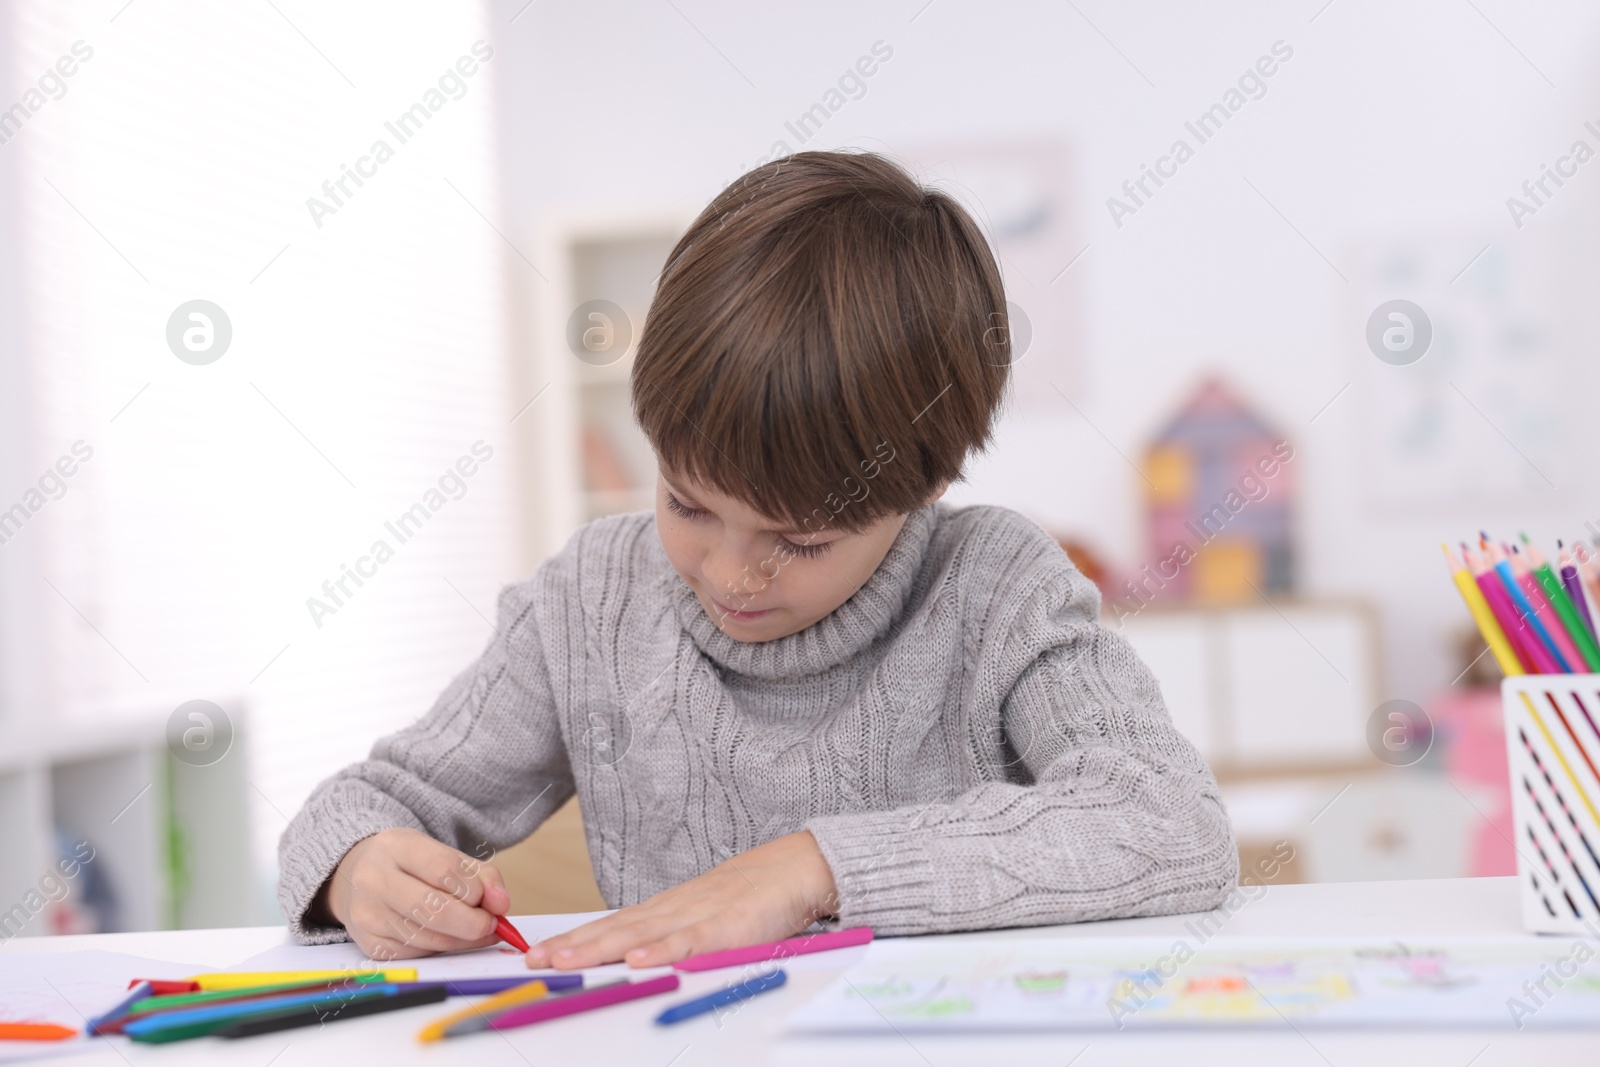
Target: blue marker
<point>136,994</point>
<point>743,991</point>
<point>197,1022</point>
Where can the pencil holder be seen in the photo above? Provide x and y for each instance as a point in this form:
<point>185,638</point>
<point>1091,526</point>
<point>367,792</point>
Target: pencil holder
<point>1553,745</point>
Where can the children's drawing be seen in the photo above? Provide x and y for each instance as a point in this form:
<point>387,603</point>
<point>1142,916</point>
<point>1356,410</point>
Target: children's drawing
<point>1110,984</point>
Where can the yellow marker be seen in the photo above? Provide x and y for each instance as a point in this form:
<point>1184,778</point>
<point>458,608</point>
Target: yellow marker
<point>245,979</point>
<point>1484,617</point>
<point>532,990</point>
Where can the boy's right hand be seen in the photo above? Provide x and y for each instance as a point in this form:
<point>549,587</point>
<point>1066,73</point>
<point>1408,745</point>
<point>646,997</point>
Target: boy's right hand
<point>401,894</point>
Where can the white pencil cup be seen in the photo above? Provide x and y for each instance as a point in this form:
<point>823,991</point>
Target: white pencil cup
<point>1553,745</point>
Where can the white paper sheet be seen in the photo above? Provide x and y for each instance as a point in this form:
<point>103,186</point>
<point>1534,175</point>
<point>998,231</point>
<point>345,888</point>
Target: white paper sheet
<point>496,962</point>
<point>939,985</point>
<point>68,989</point>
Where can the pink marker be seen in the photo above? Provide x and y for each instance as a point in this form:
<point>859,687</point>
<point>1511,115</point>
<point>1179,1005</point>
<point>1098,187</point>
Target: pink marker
<point>573,1003</point>
<point>776,950</point>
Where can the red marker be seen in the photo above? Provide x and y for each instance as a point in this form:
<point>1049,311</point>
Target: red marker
<point>509,934</point>
<point>160,987</point>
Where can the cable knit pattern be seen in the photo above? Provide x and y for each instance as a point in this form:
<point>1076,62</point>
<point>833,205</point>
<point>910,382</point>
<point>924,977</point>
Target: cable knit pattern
<point>968,745</point>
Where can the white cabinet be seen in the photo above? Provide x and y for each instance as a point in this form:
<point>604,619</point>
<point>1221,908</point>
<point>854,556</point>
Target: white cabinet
<point>1181,656</point>
<point>1264,689</point>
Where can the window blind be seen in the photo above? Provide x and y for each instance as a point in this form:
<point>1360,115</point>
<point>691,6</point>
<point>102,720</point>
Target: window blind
<point>231,154</point>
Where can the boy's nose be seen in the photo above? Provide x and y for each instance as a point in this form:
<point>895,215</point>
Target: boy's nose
<point>733,575</point>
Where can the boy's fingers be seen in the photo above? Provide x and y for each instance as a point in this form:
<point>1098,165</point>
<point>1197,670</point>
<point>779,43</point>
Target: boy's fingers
<point>544,952</point>
<point>609,945</point>
<point>420,940</point>
<point>496,898</point>
<point>590,931</point>
<point>420,933</point>
<point>680,944</point>
<point>445,869</point>
<point>442,914</point>
<point>409,912</point>
<point>385,949</point>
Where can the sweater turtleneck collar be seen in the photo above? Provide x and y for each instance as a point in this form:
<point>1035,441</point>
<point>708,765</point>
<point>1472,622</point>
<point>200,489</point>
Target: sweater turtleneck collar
<point>851,628</point>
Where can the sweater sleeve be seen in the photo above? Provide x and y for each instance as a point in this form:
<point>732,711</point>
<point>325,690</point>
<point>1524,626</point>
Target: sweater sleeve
<point>1098,807</point>
<point>479,771</point>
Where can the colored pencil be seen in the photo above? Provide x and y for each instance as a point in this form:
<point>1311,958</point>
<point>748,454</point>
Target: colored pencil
<point>35,1032</point>
<point>120,1011</point>
<point>712,1001</point>
<point>245,979</point>
<point>588,1000</point>
<point>1530,653</point>
<point>1519,597</point>
<point>198,1022</point>
<point>1478,607</point>
<point>1556,593</point>
<point>1566,652</point>
<point>510,934</point>
<point>1588,574</point>
<point>532,989</point>
<point>776,950</point>
<point>1574,584</point>
<point>309,1015</point>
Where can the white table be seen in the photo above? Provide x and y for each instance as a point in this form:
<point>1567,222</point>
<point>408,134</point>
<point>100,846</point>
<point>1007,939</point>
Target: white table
<point>624,1034</point>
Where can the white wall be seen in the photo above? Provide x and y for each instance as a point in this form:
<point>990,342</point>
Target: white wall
<point>20,652</point>
<point>1409,120</point>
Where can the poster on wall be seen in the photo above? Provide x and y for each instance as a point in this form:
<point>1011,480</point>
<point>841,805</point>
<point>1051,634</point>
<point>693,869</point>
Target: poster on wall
<point>1466,369</point>
<point>1019,193</point>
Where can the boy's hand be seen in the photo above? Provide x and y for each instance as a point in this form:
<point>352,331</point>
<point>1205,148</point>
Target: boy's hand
<point>772,892</point>
<point>400,894</point>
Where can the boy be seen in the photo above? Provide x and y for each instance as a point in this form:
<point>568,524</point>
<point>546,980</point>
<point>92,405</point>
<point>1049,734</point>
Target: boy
<point>801,688</point>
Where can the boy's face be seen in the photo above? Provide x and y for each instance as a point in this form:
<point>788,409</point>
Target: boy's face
<point>757,579</point>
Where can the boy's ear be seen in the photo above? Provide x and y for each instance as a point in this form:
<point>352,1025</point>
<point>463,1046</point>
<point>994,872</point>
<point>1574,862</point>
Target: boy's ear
<point>938,492</point>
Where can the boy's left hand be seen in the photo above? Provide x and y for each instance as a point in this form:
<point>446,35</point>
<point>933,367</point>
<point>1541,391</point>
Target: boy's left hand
<point>771,892</point>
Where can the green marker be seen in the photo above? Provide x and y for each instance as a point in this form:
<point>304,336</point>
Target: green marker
<point>168,1001</point>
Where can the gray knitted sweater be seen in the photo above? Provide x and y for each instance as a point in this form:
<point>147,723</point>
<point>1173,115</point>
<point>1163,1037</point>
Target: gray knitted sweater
<point>968,745</point>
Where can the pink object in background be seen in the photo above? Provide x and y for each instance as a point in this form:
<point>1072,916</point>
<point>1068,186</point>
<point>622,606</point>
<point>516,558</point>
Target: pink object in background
<point>1469,729</point>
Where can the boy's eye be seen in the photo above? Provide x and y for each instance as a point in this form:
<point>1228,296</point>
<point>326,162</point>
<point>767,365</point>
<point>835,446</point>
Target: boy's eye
<point>678,507</point>
<point>804,551</point>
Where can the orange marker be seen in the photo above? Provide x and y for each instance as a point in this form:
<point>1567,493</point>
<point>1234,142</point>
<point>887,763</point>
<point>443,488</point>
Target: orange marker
<point>35,1032</point>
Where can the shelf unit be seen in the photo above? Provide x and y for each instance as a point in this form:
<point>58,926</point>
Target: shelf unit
<point>585,456</point>
<point>170,840</point>
<point>582,456</point>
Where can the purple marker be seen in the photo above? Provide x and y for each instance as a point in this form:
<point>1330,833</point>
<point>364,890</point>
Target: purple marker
<point>473,987</point>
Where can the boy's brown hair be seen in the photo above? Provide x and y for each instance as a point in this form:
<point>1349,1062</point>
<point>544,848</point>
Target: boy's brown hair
<point>826,344</point>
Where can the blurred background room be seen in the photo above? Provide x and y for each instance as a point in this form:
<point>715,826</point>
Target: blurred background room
<point>284,282</point>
